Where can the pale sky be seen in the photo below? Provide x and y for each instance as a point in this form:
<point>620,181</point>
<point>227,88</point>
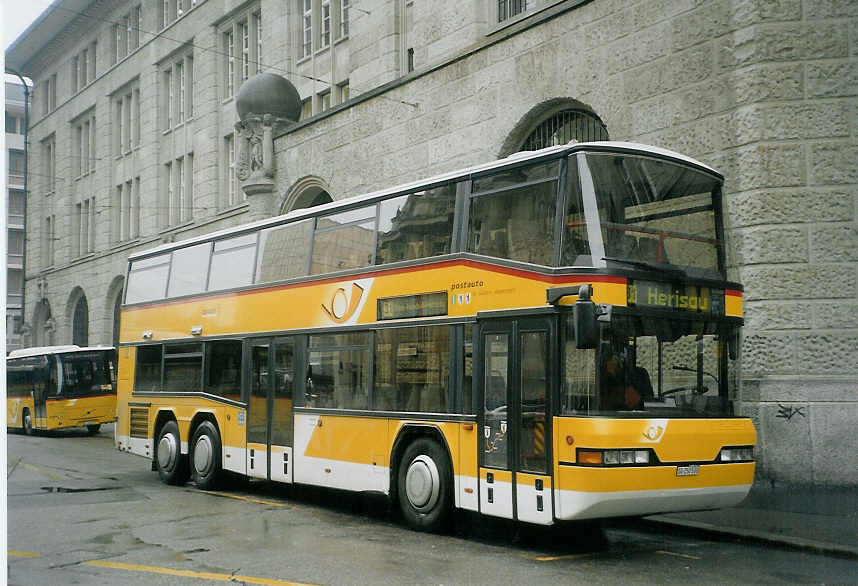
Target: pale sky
<point>17,16</point>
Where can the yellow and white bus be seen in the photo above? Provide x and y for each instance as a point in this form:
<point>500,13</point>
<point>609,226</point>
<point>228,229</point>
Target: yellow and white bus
<point>546,337</point>
<point>57,387</point>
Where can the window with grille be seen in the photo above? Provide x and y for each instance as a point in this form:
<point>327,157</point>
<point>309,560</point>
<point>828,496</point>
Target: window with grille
<point>563,127</point>
<point>509,8</point>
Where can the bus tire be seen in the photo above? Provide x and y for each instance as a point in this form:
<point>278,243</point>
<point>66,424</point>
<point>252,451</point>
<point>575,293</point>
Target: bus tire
<point>172,467</point>
<point>93,429</point>
<point>27,422</point>
<point>206,456</point>
<point>425,485</point>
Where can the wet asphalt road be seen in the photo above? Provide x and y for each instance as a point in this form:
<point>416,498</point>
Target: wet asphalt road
<point>80,512</point>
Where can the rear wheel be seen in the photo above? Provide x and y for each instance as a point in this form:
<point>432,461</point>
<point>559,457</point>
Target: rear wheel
<point>206,456</point>
<point>93,429</point>
<point>172,467</point>
<point>27,422</point>
<point>425,486</point>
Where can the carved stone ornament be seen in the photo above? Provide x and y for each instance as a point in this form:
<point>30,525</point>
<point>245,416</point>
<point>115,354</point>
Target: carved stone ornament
<point>256,146</point>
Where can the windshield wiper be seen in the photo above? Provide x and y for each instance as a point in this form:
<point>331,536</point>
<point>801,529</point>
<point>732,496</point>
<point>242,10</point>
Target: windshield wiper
<point>642,264</point>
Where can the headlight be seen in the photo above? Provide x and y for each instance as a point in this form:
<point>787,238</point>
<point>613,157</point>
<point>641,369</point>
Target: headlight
<point>741,454</point>
<point>614,457</point>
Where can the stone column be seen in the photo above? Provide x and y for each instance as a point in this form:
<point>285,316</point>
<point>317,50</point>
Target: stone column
<point>255,165</point>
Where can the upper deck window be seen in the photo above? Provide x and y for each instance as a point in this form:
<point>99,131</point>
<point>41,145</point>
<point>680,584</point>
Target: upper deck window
<point>147,279</point>
<point>284,252</point>
<point>190,267</point>
<point>344,241</point>
<point>232,262</point>
<point>417,225</point>
<point>656,214</point>
<point>512,213</point>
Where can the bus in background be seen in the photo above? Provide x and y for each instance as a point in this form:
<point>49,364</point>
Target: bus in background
<point>57,387</point>
<point>547,337</point>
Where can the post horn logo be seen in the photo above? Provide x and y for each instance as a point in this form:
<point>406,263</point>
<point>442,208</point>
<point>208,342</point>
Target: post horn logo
<point>653,432</point>
<point>342,307</point>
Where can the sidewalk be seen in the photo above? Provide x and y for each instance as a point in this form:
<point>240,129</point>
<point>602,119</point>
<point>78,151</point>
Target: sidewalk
<point>807,517</point>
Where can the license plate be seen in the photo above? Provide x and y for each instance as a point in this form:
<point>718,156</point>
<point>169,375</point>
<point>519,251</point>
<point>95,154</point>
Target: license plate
<point>690,470</point>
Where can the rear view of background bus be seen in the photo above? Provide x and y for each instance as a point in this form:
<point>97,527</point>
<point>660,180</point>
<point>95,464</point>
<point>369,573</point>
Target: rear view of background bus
<point>58,387</point>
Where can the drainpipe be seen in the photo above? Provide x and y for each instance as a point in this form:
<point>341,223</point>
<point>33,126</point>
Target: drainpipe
<point>24,326</point>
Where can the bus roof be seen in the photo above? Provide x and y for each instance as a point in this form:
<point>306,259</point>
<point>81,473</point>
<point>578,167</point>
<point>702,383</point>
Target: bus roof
<point>42,350</point>
<point>519,157</point>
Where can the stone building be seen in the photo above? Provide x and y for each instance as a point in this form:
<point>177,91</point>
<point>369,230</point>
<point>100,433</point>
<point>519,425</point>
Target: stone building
<point>16,114</point>
<point>133,143</point>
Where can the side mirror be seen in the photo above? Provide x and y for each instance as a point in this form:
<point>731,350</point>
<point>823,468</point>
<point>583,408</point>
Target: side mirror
<point>584,319</point>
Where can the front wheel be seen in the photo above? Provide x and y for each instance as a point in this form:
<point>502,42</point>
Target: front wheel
<point>206,456</point>
<point>425,485</point>
<point>27,422</point>
<point>93,429</point>
<point>172,467</point>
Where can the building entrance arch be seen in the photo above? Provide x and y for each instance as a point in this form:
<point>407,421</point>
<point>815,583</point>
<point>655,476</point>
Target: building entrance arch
<point>305,193</point>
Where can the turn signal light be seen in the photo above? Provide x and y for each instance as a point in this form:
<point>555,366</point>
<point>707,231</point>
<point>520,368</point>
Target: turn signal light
<point>589,457</point>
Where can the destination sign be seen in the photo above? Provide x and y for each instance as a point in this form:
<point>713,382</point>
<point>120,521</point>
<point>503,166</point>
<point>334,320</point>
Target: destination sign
<point>685,298</point>
<point>420,305</point>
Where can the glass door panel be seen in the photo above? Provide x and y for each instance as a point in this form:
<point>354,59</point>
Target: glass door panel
<point>495,474</point>
<point>257,410</point>
<point>532,479</point>
<point>280,447</point>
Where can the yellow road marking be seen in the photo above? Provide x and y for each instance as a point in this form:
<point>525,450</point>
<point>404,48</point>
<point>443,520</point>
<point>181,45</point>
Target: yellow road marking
<point>191,573</point>
<point>569,556</point>
<point>245,498</point>
<point>22,554</point>
<point>679,555</point>
<point>40,471</point>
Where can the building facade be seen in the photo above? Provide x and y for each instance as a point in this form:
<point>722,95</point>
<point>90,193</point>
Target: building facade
<point>133,143</point>
<point>15,206</point>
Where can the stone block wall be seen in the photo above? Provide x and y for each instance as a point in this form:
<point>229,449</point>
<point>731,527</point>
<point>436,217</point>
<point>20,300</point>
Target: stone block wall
<point>765,91</point>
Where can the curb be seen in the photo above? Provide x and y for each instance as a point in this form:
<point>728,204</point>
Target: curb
<point>761,536</point>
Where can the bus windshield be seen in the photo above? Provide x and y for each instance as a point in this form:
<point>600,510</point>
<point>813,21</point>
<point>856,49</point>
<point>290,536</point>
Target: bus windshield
<point>656,214</point>
<point>86,373</point>
<point>652,367</point>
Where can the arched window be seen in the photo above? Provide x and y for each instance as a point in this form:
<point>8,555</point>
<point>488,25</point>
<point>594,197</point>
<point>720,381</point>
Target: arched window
<point>563,126</point>
<point>80,323</point>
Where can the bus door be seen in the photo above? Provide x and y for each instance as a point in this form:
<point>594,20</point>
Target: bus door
<point>46,383</point>
<point>269,409</point>
<point>515,442</point>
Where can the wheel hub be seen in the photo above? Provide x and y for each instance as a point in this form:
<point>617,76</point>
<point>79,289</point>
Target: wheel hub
<point>422,483</point>
<point>203,455</point>
<point>167,451</point>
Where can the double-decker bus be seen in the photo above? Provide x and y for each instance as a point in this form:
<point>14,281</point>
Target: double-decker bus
<point>547,337</point>
<point>57,387</point>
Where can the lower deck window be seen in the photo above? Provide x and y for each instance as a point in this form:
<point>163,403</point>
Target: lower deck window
<point>223,369</point>
<point>338,373</point>
<point>148,368</point>
<point>183,368</point>
<point>412,369</point>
